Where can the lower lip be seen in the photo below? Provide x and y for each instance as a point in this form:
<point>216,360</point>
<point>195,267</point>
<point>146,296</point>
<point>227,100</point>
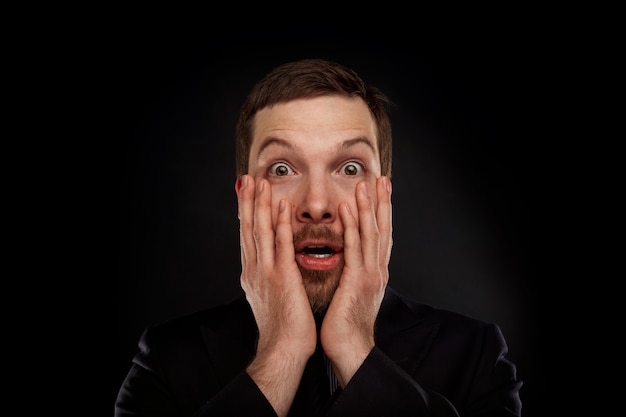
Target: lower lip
<point>318,264</point>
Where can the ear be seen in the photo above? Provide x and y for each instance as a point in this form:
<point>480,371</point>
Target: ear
<point>237,189</point>
<point>238,185</point>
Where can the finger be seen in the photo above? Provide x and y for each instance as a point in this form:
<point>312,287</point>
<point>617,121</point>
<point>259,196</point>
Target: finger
<point>384,219</point>
<point>368,229</point>
<point>263,232</point>
<point>245,200</point>
<point>351,238</point>
<point>285,251</point>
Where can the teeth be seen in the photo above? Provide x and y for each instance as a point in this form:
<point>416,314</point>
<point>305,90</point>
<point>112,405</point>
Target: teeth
<point>319,255</point>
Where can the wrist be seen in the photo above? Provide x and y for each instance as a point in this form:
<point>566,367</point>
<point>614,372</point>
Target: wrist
<point>346,362</point>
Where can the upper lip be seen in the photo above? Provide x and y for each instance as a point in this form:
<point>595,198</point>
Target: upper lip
<point>307,243</point>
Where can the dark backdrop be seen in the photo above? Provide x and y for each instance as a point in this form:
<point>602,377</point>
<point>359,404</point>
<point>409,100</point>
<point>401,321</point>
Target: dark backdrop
<point>468,174</point>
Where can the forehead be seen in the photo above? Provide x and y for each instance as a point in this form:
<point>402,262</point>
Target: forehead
<point>314,123</point>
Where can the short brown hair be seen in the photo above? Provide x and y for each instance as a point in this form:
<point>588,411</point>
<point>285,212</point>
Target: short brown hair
<point>311,78</point>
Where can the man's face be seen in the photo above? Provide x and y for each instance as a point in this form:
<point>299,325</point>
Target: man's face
<point>314,152</point>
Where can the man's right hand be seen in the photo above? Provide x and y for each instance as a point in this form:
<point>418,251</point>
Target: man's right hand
<point>273,286</point>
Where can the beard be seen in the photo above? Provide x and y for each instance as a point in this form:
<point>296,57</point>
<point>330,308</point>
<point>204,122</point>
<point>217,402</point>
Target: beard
<point>320,286</point>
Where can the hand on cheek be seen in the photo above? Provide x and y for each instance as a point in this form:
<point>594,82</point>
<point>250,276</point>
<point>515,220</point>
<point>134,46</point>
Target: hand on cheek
<point>270,276</point>
<point>347,333</point>
<point>367,236</point>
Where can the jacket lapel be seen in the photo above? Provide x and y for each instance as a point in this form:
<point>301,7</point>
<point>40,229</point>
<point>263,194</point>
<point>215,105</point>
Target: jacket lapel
<point>403,332</point>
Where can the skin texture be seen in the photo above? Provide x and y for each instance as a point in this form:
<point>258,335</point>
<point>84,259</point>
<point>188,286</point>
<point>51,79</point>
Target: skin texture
<point>313,177</point>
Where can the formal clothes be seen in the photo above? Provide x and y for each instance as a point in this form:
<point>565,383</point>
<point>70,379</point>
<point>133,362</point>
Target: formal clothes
<point>426,362</point>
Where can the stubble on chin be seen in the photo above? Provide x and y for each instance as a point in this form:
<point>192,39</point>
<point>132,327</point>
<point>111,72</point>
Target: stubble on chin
<point>320,287</point>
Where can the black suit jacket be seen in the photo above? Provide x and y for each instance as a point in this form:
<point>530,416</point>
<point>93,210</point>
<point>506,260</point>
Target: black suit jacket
<point>426,362</point>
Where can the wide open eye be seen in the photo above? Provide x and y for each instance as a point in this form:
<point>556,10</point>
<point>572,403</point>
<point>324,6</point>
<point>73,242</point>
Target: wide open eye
<point>280,169</point>
<point>351,168</point>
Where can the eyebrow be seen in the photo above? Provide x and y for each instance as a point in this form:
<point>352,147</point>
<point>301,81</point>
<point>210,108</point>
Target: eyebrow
<point>273,141</point>
<point>352,142</point>
<point>285,144</point>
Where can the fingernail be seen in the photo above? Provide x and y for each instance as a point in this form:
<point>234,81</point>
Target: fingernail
<point>281,205</point>
<point>260,185</point>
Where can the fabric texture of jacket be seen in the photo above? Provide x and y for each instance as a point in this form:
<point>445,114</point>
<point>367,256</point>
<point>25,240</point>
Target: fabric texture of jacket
<point>426,362</point>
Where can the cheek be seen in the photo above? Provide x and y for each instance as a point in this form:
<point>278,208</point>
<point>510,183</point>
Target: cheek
<point>347,191</point>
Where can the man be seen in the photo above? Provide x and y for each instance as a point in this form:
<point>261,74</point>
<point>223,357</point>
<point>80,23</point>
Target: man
<point>319,331</point>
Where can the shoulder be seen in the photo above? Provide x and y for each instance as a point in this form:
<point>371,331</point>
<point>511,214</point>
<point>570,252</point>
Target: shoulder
<point>199,350</point>
<point>408,328</point>
<point>401,311</point>
<point>230,320</point>
<point>397,302</point>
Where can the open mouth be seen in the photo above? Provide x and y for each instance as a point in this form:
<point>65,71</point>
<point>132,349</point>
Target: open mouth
<point>318,251</point>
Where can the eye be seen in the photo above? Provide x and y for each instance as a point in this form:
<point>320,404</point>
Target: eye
<point>351,168</point>
<point>280,169</point>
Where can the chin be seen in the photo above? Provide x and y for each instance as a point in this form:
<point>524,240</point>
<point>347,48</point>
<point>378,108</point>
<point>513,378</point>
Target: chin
<point>320,287</point>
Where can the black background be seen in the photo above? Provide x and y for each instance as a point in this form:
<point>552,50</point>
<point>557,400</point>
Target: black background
<point>469,171</point>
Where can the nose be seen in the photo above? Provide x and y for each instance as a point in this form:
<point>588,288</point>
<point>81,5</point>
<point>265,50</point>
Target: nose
<point>316,201</point>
